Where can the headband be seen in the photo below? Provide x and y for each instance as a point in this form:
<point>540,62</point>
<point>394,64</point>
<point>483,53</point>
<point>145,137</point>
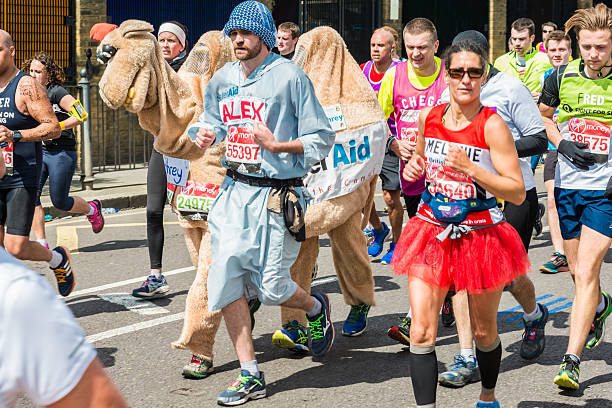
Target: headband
<point>174,29</point>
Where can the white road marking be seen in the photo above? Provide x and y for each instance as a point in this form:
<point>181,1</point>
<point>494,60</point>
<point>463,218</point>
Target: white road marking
<point>125,282</point>
<point>140,306</point>
<point>135,327</point>
<point>323,281</point>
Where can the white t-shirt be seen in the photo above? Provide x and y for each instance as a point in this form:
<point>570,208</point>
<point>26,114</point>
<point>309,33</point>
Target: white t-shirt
<point>43,351</point>
<point>511,99</point>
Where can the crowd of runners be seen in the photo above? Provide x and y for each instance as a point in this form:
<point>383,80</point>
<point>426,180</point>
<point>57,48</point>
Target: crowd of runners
<point>465,136</point>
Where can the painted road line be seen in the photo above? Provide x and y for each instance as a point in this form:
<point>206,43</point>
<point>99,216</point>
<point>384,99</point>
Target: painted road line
<point>558,300</point>
<point>135,327</point>
<point>166,319</point>
<point>517,308</point>
<point>140,306</point>
<point>67,235</point>
<point>556,309</point>
<point>125,282</point>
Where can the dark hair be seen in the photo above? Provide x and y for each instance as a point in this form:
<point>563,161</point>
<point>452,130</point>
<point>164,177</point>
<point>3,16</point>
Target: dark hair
<point>55,74</point>
<point>182,27</point>
<point>550,24</point>
<point>524,23</point>
<point>293,28</point>
<point>421,25</point>
<point>558,35</point>
<point>465,46</point>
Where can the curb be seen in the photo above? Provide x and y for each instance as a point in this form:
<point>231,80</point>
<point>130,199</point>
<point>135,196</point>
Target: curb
<point>118,202</point>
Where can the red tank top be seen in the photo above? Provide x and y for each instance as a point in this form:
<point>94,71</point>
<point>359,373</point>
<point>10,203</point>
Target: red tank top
<point>441,178</point>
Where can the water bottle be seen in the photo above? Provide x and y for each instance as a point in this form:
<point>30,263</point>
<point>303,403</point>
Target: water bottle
<point>109,210</point>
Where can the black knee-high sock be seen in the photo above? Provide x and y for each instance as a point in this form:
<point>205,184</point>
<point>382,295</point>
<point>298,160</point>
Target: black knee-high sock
<point>424,374</point>
<point>489,359</point>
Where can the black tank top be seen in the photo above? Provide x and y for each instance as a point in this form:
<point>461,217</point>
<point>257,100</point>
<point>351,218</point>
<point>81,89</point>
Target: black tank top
<point>27,156</point>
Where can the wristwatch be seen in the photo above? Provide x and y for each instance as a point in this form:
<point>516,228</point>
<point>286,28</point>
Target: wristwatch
<point>16,136</point>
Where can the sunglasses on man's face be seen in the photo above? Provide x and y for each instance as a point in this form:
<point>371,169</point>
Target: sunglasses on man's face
<point>458,73</point>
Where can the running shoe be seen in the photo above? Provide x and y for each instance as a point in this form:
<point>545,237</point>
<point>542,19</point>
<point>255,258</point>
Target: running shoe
<point>293,336</point>
<point>401,332</point>
<point>197,368</point>
<point>96,219</point>
<point>357,320</point>
<point>386,259</point>
<point>568,374</point>
<point>537,226</point>
<point>152,288</point>
<point>245,387</point>
<point>369,234</point>
<point>534,339</point>
<point>460,373</point>
<point>598,327</point>
<point>556,264</point>
<point>376,246</point>
<point>321,333</point>
<point>487,404</point>
<point>448,316</point>
<point>63,272</point>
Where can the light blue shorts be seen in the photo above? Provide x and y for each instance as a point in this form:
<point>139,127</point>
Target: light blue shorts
<point>250,246</point>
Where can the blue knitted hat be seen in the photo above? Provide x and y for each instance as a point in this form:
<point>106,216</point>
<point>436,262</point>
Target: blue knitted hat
<point>253,16</point>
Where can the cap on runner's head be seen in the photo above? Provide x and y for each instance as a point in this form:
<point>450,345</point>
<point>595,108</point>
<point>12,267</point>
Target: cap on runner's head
<point>255,17</point>
<point>473,36</point>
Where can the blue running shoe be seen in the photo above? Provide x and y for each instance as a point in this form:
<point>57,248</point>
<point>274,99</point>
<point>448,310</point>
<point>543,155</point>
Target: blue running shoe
<point>152,288</point>
<point>483,404</point>
<point>357,320</point>
<point>386,259</point>
<point>293,336</point>
<point>63,272</point>
<point>242,389</point>
<point>460,373</point>
<point>534,340</point>
<point>376,246</point>
<point>321,336</point>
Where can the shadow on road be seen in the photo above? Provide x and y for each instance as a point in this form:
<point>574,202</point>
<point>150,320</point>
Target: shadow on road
<point>96,306</point>
<point>590,403</point>
<point>115,244</point>
<point>106,356</point>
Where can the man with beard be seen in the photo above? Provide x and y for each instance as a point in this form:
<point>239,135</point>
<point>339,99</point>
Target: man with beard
<point>266,110</point>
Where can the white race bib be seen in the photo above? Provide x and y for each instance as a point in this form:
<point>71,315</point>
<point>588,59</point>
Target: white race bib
<point>177,170</point>
<point>335,117</point>
<point>8,158</point>
<point>197,196</point>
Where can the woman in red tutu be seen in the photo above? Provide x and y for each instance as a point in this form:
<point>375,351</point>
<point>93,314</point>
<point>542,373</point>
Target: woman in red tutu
<point>459,239</point>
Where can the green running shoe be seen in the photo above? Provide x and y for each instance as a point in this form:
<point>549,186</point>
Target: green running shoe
<point>598,327</point>
<point>568,373</point>
<point>293,336</point>
<point>245,387</point>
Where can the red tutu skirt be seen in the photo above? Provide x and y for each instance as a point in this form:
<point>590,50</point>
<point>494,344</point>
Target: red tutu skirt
<point>483,259</point>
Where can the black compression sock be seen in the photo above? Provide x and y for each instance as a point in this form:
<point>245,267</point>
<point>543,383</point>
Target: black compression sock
<point>424,374</point>
<point>489,359</point>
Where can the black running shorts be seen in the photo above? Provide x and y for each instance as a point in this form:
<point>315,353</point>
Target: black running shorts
<point>389,174</point>
<point>17,210</point>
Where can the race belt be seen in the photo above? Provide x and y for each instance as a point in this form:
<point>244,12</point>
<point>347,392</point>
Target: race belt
<point>264,181</point>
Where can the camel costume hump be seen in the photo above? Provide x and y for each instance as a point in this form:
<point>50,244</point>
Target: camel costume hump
<point>338,81</point>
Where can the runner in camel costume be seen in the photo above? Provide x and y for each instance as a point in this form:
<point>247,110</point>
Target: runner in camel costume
<point>138,78</point>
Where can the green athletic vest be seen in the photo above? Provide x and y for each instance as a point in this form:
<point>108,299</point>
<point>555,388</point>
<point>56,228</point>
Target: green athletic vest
<point>585,115</point>
<point>536,63</point>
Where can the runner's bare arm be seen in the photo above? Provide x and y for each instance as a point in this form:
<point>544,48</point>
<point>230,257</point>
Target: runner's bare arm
<point>2,166</point>
<point>547,112</point>
<point>33,97</point>
<point>508,185</point>
<point>94,390</point>
<point>66,104</point>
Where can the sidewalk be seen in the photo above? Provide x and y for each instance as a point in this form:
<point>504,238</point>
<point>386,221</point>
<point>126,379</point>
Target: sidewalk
<point>115,189</point>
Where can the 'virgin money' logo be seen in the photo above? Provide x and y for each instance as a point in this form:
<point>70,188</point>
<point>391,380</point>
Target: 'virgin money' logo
<point>577,125</point>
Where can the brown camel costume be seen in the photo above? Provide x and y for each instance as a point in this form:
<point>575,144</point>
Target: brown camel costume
<point>166,103</point>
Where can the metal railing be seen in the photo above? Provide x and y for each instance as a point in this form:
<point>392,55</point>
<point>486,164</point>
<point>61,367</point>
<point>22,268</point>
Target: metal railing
<point>111,139</point>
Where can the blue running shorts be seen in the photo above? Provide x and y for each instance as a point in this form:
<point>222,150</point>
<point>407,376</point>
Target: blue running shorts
<point>583,207</point>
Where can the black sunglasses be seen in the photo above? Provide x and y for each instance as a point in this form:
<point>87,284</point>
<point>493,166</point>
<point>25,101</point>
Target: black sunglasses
<point>458,73</point>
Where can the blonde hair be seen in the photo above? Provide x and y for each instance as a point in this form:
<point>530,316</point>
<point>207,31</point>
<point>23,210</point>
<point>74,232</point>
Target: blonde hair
<point>592,19</point>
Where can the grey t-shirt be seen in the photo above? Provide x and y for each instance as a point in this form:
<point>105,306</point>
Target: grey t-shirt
<point>511,99</point>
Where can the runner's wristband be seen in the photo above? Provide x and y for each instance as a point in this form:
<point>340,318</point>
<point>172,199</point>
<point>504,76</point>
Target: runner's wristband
<point>62,125</point>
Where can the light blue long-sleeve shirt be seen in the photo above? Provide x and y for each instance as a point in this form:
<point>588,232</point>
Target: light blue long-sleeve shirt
<point>291,111</point>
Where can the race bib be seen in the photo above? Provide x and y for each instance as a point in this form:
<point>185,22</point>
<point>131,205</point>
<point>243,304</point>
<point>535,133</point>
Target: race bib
<point>445,180</point>
<point>177,170</point>
<point>594,133</point>
<point>409,134</point>
<point>242,153</point>
<point>196,197</point>
<point>8,158</point>
<point>239,113</point>
<point>410,115</point>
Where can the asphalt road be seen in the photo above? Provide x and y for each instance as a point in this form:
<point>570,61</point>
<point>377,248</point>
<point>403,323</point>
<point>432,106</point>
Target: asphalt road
<point>133,338</point>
